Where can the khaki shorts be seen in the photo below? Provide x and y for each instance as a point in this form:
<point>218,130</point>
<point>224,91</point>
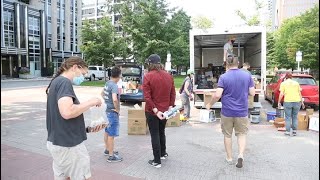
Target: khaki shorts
<point>73,162</point>
<point>240,125</point>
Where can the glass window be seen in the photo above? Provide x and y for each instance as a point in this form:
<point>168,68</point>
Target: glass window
<point>305,80</point>
<point>9,35</point>
<point>92,68</point>
<point>49,28</point>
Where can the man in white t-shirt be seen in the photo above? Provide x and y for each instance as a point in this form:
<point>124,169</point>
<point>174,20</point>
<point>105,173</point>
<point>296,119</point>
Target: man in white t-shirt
<point>228,48</point>
<point>119,83</point>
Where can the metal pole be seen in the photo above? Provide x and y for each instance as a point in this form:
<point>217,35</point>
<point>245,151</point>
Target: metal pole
<point>298,65</point>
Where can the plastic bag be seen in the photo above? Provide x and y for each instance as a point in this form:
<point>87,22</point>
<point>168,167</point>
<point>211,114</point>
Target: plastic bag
<point>97,116</point>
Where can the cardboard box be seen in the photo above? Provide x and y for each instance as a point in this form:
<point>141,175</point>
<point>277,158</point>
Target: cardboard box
<point>277,120</point>
<point>206,99</point>
<point>303,122</point>
<point>137,126</point>
<point>174,122</point>
<point>136,113</point>
<point>309,112</point>
<point>314,123</point>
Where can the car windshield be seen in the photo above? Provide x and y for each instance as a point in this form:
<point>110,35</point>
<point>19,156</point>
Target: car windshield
<point>130,71</point>
<point>305,80</point>
<point>92,68</point>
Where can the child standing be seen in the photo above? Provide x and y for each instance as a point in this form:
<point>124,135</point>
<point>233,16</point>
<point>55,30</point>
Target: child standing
<point>111,97</point>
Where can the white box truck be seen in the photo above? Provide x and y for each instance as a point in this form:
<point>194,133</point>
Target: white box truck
<point>207,49</point>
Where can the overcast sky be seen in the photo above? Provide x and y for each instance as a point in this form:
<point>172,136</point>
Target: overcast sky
<point>222,11</point>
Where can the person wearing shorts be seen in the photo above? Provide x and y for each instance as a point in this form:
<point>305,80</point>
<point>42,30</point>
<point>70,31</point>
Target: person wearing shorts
<point>111,97</point>
<point>234,87</point>
<point>65,122</point>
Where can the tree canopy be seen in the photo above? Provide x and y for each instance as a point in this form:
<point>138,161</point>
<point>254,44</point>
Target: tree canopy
<point>298,33</point>
<point>98,41</point>
<point>152,30</point>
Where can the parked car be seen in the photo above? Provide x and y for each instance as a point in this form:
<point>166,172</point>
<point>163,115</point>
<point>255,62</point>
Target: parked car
<point>95,72</point>
<point>132,77</point>
<point>309,86</point>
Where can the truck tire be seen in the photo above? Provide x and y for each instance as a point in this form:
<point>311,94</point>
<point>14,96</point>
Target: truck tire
<point>92,78</point>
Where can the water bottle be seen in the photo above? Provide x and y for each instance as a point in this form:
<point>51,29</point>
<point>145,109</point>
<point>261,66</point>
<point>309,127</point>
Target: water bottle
<point>171,113</point>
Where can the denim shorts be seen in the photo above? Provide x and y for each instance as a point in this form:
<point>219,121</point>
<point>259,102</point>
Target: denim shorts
<point>113,127</point>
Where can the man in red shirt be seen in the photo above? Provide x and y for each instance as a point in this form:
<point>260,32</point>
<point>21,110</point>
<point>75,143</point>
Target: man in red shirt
<point>159,94</point>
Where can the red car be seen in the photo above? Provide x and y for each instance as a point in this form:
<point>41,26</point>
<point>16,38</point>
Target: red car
<point>310,89</point>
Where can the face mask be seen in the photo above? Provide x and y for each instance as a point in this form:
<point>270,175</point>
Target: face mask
<point>78,80</point>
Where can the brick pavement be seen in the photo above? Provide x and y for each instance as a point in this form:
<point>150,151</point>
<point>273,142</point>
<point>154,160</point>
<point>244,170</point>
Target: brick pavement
<point>195,150</point>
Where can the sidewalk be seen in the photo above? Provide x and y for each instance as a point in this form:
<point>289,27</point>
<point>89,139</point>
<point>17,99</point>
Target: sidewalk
<point>196,150</point>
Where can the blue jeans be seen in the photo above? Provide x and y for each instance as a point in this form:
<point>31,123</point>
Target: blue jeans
<point>113,127</point>
<point>291,110</point>
<point>186,105</point>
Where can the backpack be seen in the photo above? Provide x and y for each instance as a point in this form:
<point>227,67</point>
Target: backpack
<point>182,87</point>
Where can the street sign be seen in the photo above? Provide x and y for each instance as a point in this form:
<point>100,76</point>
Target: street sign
<point>299,56</point>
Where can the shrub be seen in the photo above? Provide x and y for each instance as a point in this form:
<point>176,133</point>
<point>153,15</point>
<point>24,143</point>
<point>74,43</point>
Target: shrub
<point>24,70</point>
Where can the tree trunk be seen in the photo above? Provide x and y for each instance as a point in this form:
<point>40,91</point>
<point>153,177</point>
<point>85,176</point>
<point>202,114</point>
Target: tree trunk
<point>105,72</point>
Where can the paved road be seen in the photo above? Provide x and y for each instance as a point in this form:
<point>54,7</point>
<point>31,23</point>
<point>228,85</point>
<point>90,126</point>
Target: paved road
<point>195,149</point>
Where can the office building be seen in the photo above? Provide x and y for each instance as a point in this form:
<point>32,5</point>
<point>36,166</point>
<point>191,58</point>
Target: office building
<point>38,34</point>
<point>285,9</point>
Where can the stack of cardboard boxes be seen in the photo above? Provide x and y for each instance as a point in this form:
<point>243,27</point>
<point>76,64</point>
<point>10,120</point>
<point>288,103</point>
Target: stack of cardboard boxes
<point>137,122</point>
<point>303,120</point>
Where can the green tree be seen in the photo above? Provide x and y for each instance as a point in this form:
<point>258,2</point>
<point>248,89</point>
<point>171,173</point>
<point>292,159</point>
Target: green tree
<point>97,38</point>
<point>255,19</point>
<point>151,30</point>
<point>299,33</point>
<point>271,60</point>
<point>145,26</point>
<point>202,22</point>
<point>178,28</point>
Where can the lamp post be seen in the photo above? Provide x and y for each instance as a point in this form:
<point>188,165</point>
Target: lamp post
<point>299,58</point>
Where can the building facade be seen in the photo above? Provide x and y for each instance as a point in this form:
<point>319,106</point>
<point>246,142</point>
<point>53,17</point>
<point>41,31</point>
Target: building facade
<point>38,34</point>
<point>285,9</point>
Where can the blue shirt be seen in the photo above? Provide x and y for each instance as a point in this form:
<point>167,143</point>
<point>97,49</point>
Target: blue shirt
<point>110,88</point>
<point>235,84</point>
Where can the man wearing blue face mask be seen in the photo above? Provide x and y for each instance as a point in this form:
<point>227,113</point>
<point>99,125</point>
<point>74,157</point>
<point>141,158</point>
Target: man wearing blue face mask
<point>65,122</point>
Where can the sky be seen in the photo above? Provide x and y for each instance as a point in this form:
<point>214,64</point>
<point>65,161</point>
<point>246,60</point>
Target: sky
<point>221,11</point>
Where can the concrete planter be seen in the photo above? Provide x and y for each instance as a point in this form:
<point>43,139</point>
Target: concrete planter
<point>26,76</point>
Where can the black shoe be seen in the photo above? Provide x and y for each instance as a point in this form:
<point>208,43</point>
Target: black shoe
<point>154,164</point>
<point>164,157</point>
<point>106,152</point>
<point>240,163</point>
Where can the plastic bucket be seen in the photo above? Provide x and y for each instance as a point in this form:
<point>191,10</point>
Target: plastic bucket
<point>271,115</point>
<point>280,112</point>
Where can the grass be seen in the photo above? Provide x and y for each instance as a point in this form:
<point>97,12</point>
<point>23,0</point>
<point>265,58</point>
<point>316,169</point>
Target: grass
<point>93,83</point>
<point>178,80</point>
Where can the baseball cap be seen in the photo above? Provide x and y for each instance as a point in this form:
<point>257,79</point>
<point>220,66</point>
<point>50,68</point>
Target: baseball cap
<point>154,59</point>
